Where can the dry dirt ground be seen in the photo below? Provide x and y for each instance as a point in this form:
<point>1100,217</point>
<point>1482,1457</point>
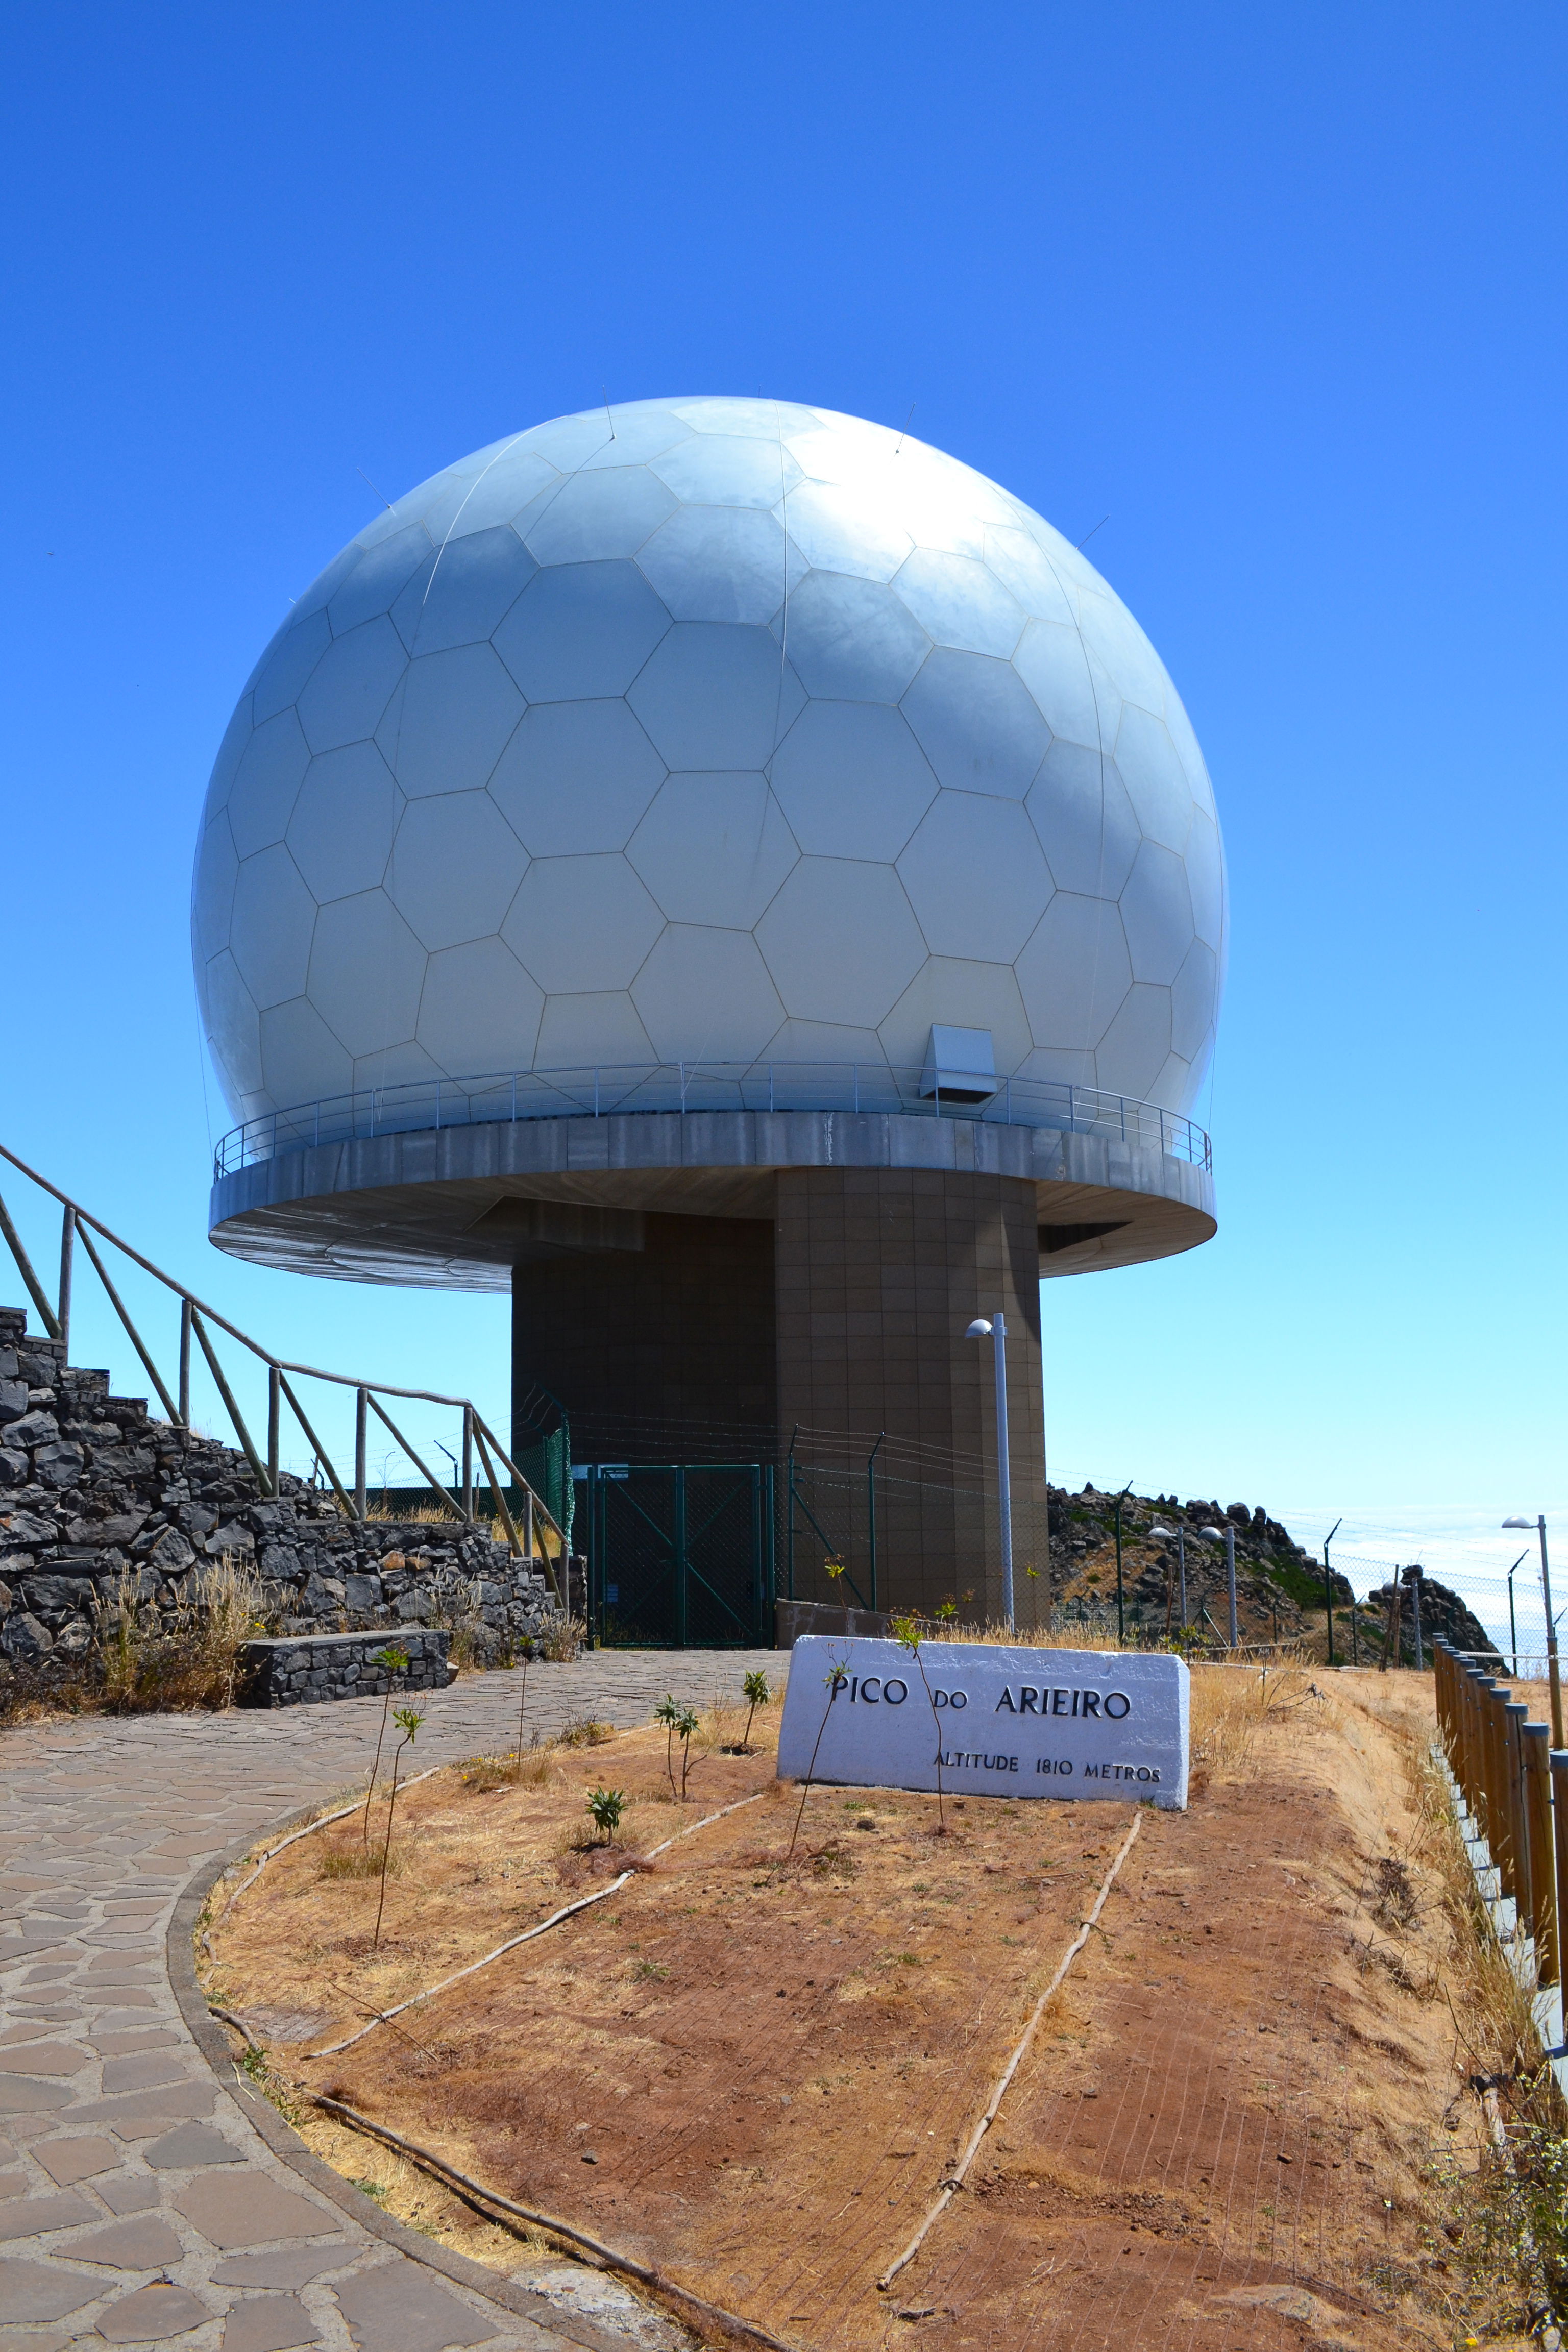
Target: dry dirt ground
<point>756,2073</point>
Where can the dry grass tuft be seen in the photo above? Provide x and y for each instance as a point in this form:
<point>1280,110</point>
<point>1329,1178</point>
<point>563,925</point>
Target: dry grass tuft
<point>184,1657</point>
<point>584,1731</point>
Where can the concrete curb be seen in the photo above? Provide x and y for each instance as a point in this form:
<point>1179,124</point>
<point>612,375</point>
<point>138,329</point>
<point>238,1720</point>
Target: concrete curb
<point>212,2040</point>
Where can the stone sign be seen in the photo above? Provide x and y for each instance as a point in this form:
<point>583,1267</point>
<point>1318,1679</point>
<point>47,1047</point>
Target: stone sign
<point>1003,1722</point>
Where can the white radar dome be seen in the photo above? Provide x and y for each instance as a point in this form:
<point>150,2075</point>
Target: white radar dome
<point>707,729</point>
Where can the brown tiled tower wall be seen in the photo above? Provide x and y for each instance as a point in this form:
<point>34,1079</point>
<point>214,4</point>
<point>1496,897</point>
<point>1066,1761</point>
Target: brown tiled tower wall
<point>878,1274</point>
<point>662,1354</point>
<point>845,1316</point>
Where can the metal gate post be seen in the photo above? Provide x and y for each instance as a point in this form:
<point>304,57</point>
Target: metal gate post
<point>757,1553</point>
<point>362,1431</point>
<point>770,1521</point>
<point>679,1562</point>
<point>789,1527</point>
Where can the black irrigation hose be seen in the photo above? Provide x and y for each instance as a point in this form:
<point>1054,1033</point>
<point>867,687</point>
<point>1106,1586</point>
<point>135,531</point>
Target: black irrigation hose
<point>475,2191</point>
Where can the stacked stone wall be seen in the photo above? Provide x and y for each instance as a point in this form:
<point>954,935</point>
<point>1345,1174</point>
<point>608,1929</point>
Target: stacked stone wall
<point>98,1499</point>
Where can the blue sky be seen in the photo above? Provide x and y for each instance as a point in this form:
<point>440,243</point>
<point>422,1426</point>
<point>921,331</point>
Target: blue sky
<point>1277,292</point>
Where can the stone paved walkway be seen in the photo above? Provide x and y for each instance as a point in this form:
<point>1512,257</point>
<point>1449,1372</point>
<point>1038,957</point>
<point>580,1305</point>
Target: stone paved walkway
<point>147,2197</point>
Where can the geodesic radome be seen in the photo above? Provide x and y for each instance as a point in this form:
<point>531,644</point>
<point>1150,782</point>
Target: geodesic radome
<point>708,729</point>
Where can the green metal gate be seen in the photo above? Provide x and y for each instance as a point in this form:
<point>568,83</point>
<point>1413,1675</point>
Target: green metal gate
<point>680,1554</point>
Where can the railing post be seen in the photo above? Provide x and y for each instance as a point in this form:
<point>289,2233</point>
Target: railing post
<point>185,1362</point>
<point>67,1245</point>
<point>1535,1739</point>
<point>274,1422</point>
<point>1514,1716</point>
<point>467,1461</point>
<point>361,1432</point>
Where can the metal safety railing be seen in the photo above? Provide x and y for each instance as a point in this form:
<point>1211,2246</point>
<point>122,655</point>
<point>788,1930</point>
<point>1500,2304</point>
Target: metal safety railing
<point>197,1324</point>
<point>607,1090</point>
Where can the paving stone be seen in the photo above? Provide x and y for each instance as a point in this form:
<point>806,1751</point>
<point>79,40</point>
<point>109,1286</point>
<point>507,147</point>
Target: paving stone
<point>42,2290</point>
<point>247,2209</point>
<point>192,2145</point>
<point>141,2113</point>
<point>268,2323</point>
<point>143,2072</point>
<point>44,2058</point>
<point>20,2096</point>
<point>147,2245</point>
<point>126,2043</point>
<point>130,2193</point>
<point>13,2184</point>
<point>7,2153</point>
<point>30,2217</point>
<point>398,2307</point>
<point>289,2266</point>
<point>68,2160</point>
<point>154,2315</point>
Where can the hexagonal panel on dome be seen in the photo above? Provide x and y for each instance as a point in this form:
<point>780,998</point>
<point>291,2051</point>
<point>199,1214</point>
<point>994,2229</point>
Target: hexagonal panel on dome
<point>582,923</point>
<point>455,868</point>
<point>212,893</point>
<point>961,602</point>
<point>580,631</point>
<point>287,664</point>
<point>451,720</point>
<point>976,723</point>
<point>1137,1044</point>
<point>366,971</point>
<point>267,784</point>
<point>713,848</point>
<point>1156,780</point>
<point>576,777</point>
<point>1026,571</point>
<point>234,1021</point>
<point>339,834</point>
<point>1080,808</point>
<point>272,925</point>
<point>594,516</point>
<point>839,531</point>
<point>720,563</point>
<point>852,780</point>
<point>1052,664</point>
<point>712,696</point>
<point>301,1061</point>
<point>1157,910</point>
<point>598,1029</point>
<point>479,1010</point>
<point>381,578</point>
<point>851,640</point>
<point>705,995</point>
<point>1075,972</point>
<point>722,469</point>
<point>875,943</point>
<point>1194,999</point>
<point>464,593</point>
<point>343,699</point>
<point>975,877</point>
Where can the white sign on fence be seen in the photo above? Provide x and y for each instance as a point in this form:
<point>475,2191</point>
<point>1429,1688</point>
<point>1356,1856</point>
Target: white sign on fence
<point>1003,1722</point>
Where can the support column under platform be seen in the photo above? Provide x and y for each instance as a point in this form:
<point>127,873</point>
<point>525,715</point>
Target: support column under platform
<point>879,1273</point>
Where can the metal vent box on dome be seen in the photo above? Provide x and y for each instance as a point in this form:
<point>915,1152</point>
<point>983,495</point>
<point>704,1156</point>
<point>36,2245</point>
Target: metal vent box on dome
<point>1000,1721</point>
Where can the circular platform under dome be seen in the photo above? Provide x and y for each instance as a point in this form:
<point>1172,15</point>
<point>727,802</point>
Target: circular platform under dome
<point>708,731</point>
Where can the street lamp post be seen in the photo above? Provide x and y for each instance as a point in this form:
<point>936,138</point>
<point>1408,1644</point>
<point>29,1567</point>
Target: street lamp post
<point>1328,1590</point>
<point>1213,1535</point>
<point>1513,1621</point>
<point>1178,1536</point>
<point>996,1330</point>
<point>1553,1675</point>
